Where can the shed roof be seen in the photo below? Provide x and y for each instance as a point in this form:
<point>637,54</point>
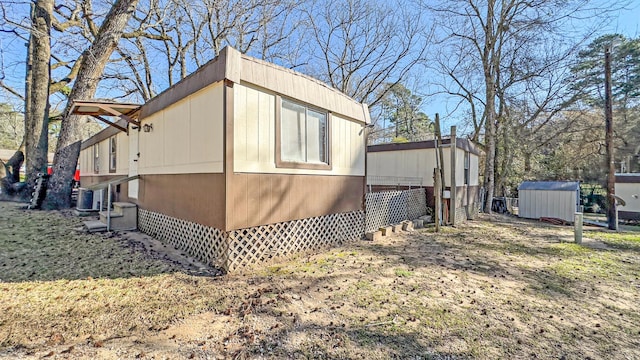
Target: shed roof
<point>461,143</point>
<point>550,185</point>
<point>628,178</point>
<point>239,68</point>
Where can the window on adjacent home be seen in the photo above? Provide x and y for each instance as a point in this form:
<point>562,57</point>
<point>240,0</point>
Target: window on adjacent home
<point>467,160</point>
<point>112,154</point>
<point>96,158</point>
<point>303,135</point>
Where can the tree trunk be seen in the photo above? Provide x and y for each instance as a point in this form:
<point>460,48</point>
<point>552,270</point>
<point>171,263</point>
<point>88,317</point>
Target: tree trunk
<point>37,92</point>
<point>490,94</point>
<point>10,184</point>
<point>93,62</point>
<point>612,219</point>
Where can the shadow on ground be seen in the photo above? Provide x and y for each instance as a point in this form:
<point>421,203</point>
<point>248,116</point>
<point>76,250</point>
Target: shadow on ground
<point>38,245</point>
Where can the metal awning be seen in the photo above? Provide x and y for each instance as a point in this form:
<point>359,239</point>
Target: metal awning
<point>98,109</point>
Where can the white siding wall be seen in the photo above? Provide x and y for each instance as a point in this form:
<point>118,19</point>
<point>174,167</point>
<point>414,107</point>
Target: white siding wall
<point>413,163</point>
<point>534,204</point>
<point>122,153</point>
<point>254,138</point>
<point>420,163</point>
<point>626,191</point>
<point>459,167</point>
<point>86,158</point>
<point>474,178</point>
<point>297,86</point>
<point>85,162</point>
<point>187,136</point>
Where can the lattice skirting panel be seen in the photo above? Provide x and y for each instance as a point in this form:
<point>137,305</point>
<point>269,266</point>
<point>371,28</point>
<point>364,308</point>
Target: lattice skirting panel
<point>391,207</point>
<point>204,243</point>
<point>252,246</point>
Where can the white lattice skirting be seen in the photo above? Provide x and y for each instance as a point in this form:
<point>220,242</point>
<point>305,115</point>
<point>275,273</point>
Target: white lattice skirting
<point>256,245</point>
<point>392,207</point>
<point>252,246</point>
<point>204,243</point>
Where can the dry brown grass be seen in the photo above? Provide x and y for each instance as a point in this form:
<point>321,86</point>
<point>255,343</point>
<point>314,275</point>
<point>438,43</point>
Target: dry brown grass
<point>496,288</point>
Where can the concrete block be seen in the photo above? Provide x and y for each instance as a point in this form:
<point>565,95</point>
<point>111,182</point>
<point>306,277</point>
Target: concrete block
<point>386,230</point>
<point>396,228</point>
<point>95,226</point>
<point>407,225</point>
<point>374,235</point>
<point>124,216</point>
<point>418,224</point>
<point>425,218</point>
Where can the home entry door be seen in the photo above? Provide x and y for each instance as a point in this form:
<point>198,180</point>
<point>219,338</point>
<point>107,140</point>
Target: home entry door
<point>134,156</point>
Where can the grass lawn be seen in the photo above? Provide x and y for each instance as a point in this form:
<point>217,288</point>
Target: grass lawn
<point>495,288</point>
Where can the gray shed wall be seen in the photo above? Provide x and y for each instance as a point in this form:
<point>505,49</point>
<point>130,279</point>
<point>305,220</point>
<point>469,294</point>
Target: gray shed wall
<point>534,204</point>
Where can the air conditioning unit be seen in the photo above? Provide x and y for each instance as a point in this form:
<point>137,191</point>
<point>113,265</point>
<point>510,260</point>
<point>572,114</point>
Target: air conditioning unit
<point>90,200</point>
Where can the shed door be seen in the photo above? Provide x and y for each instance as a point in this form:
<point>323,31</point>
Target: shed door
<point>134,155</point>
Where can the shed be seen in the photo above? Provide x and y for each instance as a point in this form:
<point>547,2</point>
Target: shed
<point>555,199</point>
<point>239,162</point>
<point>627,188</point>
<point>408,165</point>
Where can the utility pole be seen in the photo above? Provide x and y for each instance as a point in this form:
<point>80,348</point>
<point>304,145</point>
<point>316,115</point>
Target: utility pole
<point>612,220</point>
<point>453,197</point>
<point>440,162</point>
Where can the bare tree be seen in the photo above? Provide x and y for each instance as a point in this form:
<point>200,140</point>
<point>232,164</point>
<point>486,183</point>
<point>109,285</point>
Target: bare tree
<point>11,127</point>
<point>364,47</point>
<point>495,52</point>
<point>91,68</point>
<point>37,91</point>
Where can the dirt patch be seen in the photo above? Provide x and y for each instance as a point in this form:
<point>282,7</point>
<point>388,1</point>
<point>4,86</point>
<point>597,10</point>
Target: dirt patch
<point>498,287</point>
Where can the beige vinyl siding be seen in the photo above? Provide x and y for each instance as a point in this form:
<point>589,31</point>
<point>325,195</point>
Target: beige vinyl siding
<point>474,179</point>
<point>122,153</point>
<point>303,88</point>
<point>347,147</point>
<point>103,157</point>
<point>412,163</point>
<point>187,137</point>
<point>85,163</point>
<point>87,159</point>
<point>473,168</point>
<point>459,167</point>
<point>254,138</point>
<point>626,192</point>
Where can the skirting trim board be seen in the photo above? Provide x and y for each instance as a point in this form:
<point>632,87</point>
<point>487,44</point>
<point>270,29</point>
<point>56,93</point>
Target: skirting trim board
<point>245,248</point>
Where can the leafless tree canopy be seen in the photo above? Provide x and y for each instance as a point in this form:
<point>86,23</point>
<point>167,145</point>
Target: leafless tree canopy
<point>508,63</point>
<point>132,50</point>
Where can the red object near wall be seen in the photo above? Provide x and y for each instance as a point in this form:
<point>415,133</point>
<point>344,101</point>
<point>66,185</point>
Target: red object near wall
<point>76,176</point>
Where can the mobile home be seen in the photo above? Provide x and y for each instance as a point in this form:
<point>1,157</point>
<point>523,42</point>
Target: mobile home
<point>403,165</point>
<point>239,162</point>
<point>627,188</point>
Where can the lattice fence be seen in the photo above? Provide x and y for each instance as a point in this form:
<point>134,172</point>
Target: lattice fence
<point>246,247</point>
<point>204,243</point>
<point>251,246</point>
<point>392,207</point>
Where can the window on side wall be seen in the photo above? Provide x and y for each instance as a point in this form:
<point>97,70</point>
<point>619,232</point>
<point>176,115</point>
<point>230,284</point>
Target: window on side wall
<point>112,154</point>
<point>467,160</point>
<point>302,136</point>
<point>96,158</point>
